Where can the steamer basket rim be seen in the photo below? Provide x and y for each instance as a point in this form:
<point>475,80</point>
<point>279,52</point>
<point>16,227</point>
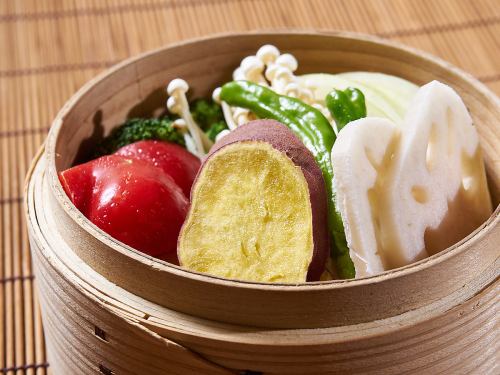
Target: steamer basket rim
<point>75,215</point>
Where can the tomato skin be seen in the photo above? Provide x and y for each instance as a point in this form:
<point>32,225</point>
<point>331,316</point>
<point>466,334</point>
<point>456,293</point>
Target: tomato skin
<point>175,161</point>
<point>130,200</point>
<point>77,182</point>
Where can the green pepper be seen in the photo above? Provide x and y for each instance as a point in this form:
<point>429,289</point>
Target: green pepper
<point>346,105</point>
<point>316,133</point>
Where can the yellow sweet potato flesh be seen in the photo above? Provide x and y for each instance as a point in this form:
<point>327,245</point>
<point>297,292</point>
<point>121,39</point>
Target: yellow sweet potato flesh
<point>250,217</point>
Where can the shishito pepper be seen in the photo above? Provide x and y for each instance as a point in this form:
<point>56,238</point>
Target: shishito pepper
<point>316,133</point>
<point>346,105</point>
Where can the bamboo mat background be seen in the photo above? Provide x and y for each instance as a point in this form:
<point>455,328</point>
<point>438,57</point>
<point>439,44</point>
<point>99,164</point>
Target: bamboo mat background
<point>48,49</point>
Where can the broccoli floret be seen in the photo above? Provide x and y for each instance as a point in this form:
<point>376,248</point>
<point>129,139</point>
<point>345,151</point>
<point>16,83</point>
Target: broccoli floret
<point>208,115</point>
<point>138,129</point>
<point>215,129</point>
<point>206,112</point>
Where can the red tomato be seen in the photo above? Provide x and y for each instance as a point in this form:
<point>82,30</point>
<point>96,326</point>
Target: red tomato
<point>131,200</point>
<point>175,161</point>
<point>78,183</point>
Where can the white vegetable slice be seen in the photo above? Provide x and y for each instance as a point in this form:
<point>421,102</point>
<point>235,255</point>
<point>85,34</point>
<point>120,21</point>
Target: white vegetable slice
<point>356,159</point>
<point>396,91</point>
<point>386,96</point>
<point>438,176</point>
<point>408,192</point>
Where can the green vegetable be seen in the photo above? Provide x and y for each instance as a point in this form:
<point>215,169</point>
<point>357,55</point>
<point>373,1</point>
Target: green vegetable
<point>385,95</point>
<point>316,133</point>
<point>138,129</point>
<point>346,105</point>
<point>215,129</point>
<point>208,115</point>
<point>205,112</point>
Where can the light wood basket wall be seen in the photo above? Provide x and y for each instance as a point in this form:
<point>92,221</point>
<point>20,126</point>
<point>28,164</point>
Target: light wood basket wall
<point>111,306</point>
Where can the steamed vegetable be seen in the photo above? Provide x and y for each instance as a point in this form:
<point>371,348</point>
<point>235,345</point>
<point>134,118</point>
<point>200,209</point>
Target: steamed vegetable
<point>197,141</point>
<point>175,161</point>
<point>346,106</point>
<point>270,68</point>
<point>138,129</point>
<point>139,195</point>
<point>364,166</point>
<point>208,115</point>
<point>415,189</point>
<point>258,209</point>
<point>357,157</point>
<point>385,95</point>
<point>317,135</point>
<point>215,129</point>
<point>131,200</point>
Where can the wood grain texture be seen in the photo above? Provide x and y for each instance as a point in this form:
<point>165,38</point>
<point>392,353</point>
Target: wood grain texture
<point>54,47</point>
<point>428,340</point>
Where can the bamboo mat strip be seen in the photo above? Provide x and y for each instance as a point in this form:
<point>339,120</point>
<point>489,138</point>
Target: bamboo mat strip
<point>55,46</point>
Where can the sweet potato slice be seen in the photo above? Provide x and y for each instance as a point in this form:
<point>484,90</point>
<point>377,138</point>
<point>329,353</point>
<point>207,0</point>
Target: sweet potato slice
<point>258,209</point>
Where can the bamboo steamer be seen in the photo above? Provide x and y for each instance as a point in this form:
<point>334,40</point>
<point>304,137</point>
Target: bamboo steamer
<point>107,307</point>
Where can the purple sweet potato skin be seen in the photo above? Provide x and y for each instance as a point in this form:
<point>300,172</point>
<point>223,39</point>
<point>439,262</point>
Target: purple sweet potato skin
<point>284,140</point>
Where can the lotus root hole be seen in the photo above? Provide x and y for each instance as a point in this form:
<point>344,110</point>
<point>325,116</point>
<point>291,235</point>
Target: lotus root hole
<point>431,153</point>
<point>451,133</point>
<point>419,194</point>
